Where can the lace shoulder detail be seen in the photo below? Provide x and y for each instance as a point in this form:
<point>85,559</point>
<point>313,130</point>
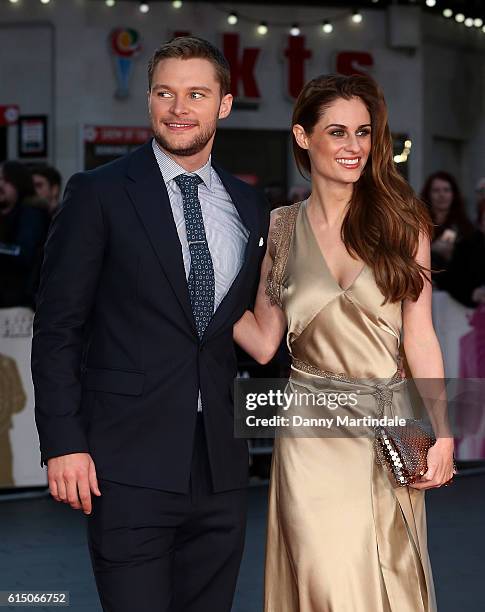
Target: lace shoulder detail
<point>279,244</point>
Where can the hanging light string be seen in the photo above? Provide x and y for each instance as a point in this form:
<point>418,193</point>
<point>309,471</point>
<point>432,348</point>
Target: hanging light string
<point>356,16</point>
<point>294,28</point>
<point>327,25</point>
<point>461,19</point>
<point>262,26</point>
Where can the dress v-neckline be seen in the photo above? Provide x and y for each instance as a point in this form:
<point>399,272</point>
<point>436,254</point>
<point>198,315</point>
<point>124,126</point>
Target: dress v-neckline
<point>322,256</point>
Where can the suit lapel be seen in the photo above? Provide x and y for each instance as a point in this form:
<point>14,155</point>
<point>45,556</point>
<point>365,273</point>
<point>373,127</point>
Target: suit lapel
<point>249,215</point>
<point>147,191</point>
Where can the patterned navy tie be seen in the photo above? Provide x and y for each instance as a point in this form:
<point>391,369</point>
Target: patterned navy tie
<point>201,276</point>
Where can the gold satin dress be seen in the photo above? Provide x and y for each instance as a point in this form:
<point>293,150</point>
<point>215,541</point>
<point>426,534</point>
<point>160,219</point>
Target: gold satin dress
<point>342,537</point>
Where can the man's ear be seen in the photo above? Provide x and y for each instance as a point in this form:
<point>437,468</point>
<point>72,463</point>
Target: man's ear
<point>148,101</point>
<point>300,136</point>
<point>225,106</point>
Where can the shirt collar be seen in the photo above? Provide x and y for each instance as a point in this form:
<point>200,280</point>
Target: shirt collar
<point>170,169</point>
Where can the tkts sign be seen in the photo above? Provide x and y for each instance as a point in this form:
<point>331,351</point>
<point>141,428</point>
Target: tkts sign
<point>243,62</point>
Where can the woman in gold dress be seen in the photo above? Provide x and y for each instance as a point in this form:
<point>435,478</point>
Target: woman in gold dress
<point>346,274</point>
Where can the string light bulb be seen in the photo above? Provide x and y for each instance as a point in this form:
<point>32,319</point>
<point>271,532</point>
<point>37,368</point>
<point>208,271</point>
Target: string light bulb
<point>13,1</point>
<point>110,3</point>
<point>357,17</point>
<point>45,1</point>
<point>295,29</point>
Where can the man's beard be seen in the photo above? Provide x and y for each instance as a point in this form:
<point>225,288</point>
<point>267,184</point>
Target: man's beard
<point>192,148</point>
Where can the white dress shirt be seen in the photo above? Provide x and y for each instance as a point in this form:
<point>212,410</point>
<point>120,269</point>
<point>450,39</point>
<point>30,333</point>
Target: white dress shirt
<point>226,234</point>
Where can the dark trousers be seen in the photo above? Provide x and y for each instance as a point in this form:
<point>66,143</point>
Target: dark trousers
<point>155,551</point>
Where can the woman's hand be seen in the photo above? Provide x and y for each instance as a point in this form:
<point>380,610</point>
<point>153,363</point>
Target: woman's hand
<point>478,295</point>
<point>440,465</point>
<point>443,248</point>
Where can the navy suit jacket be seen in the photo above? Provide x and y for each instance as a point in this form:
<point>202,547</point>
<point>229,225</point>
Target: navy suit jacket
<point>116,359</point>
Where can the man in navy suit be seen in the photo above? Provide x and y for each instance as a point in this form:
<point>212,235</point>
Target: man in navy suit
<point>149,262</point>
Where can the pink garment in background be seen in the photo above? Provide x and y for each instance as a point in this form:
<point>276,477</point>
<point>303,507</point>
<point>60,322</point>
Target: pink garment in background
<point>471,405</point>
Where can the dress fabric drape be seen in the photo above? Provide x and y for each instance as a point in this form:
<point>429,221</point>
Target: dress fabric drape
<point>342,537</point>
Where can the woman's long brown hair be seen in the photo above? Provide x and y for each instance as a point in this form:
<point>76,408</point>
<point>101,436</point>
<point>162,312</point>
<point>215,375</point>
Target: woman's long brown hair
<point>385,218</point>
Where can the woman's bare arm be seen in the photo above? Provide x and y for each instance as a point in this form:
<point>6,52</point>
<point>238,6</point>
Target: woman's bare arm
<point>423,354</point>
<point>260,332</point>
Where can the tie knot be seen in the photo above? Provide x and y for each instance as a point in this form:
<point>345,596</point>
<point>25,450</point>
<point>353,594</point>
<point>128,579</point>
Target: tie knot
<point>187,182</point>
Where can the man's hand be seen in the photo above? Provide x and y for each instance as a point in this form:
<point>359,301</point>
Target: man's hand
<point>71,480</point>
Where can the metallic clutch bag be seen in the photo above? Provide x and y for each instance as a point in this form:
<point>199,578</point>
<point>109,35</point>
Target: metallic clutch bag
<point>403,449</point>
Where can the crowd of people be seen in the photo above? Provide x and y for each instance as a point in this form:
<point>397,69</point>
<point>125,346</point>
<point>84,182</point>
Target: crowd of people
<point>29,196</point>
